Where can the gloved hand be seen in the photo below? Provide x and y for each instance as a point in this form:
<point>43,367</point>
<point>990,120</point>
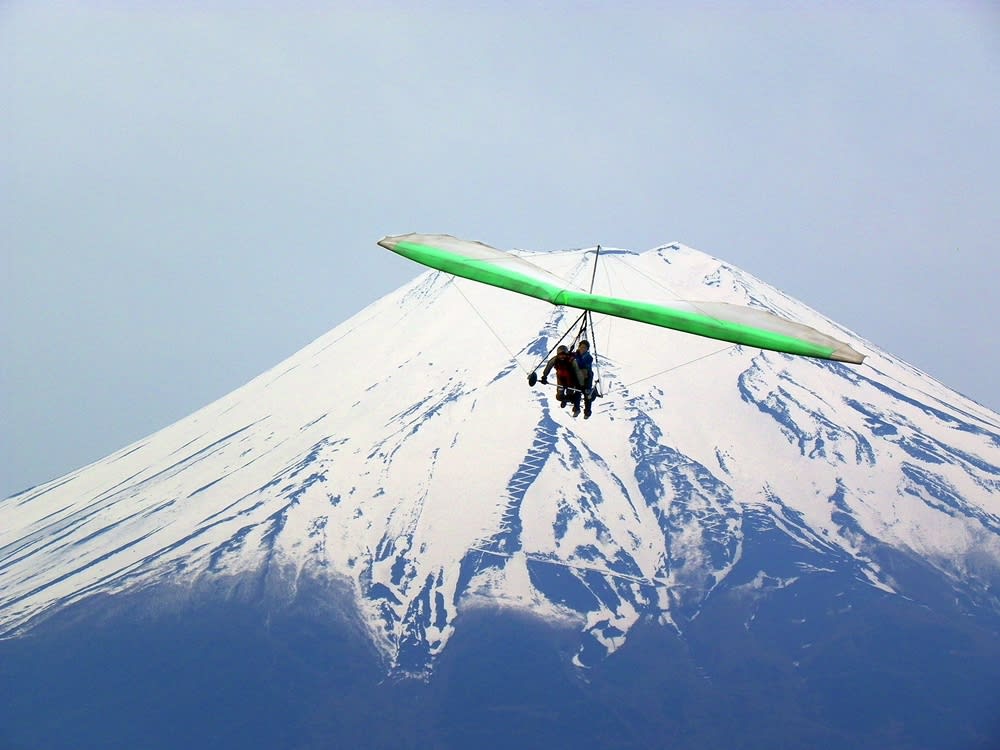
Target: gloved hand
<point>544,380</point>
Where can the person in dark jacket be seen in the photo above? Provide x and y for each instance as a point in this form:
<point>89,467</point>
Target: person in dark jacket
<point>568,380</point>
<point>585,368</point>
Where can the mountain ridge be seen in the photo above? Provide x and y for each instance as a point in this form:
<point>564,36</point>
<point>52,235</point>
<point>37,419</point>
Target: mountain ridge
<point>402,456</point>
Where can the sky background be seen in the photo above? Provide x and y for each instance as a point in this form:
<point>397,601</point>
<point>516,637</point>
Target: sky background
<point>191,192</point>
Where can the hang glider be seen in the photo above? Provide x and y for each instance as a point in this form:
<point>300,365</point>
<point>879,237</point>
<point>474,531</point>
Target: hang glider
<point>717,320</point>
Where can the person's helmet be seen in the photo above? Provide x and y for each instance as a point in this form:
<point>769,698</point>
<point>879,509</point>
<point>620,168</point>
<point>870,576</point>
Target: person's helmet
<point>585,343</point>
<point>562,349</point>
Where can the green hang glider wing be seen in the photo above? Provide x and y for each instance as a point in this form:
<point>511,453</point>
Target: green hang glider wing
<point>717,320</point>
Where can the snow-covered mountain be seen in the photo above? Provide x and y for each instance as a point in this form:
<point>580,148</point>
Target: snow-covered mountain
<point>404,456</point>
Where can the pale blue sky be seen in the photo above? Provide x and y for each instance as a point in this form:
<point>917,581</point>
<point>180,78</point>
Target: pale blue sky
<point>193,191</point>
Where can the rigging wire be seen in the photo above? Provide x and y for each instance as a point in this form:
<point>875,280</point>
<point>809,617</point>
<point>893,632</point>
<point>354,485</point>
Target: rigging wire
<point>654,281</point>
<point>593,275</point>
<point>569,330</point>
<point>608,323</point>
<point>593,337</point>
<point>585,321</point>
<point>682,364</point>
<point>673,368</point>
<point>673,293</point>
<point>669,290</point>
<point>488,326</point>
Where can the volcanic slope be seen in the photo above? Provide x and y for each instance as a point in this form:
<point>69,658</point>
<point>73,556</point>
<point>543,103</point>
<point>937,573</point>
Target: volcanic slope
<point>403,456</point>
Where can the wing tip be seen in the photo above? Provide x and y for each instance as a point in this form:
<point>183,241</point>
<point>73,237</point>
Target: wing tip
<point>848,355</point>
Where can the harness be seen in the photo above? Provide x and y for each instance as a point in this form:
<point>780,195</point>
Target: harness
<point>564,367</point>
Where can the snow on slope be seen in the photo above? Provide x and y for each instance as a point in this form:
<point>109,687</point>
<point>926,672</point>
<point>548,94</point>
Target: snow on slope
<point>404,453</point>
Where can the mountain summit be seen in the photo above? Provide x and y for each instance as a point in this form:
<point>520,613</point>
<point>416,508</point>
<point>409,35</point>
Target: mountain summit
<point>403,458</point>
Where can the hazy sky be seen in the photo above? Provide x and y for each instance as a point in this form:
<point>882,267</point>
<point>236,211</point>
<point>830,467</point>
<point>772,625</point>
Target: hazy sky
<point>191,192</point>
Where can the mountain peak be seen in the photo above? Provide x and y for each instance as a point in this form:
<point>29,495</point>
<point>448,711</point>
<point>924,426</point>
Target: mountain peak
<point>403,456</point>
